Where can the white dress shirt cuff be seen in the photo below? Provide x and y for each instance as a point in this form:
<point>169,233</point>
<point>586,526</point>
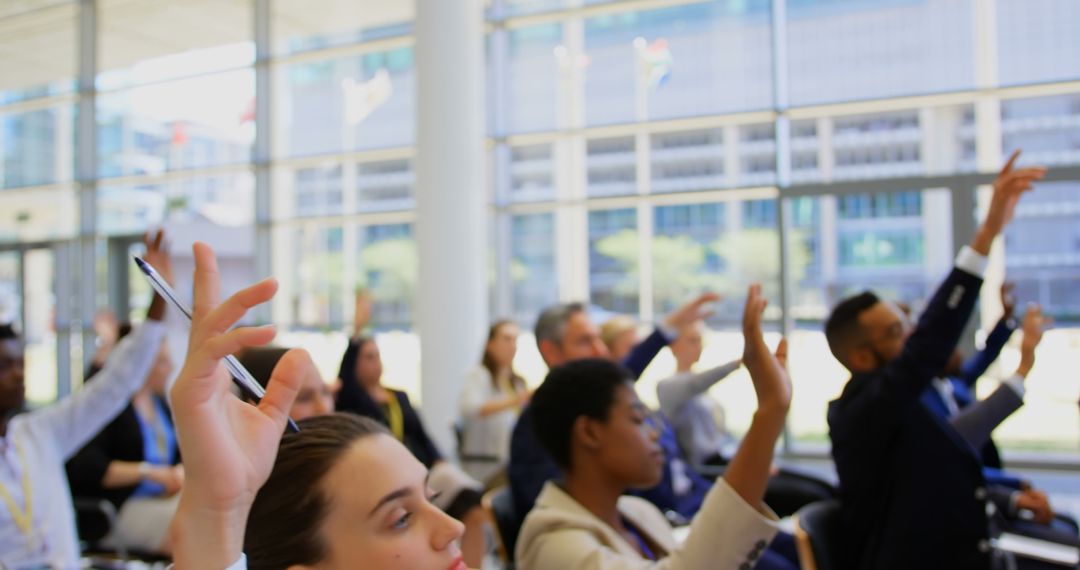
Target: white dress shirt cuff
<point>1016,382</point>
<point>670,333</point>
<point>971,261</point>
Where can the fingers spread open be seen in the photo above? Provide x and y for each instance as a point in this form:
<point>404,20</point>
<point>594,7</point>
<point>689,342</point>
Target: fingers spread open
<point>235,307</point>
<point>234,341</point>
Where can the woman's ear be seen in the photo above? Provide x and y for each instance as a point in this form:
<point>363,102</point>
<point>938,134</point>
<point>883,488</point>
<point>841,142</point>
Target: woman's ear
<point>588,433</point>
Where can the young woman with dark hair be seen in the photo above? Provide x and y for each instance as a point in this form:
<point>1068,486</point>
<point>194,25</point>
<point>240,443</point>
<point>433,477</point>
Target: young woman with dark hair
<point>362,392</point>
<point>340,493</point>
<point>588,417</point>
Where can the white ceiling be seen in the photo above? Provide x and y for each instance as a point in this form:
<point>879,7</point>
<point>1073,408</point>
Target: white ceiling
<point>38,45</point>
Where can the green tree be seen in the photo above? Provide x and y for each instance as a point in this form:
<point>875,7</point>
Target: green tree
<point>390,270</point>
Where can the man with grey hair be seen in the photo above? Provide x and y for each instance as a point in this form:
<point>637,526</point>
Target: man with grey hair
<point>565,333</point>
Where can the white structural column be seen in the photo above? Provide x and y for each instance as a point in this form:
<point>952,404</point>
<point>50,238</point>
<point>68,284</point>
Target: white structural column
<point>451,214</point>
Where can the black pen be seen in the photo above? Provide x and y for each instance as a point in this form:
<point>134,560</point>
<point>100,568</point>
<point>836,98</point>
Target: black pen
<point>243,379</point>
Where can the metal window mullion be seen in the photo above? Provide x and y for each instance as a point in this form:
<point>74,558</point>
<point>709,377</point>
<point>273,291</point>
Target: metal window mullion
<point>86,177</point>
<point>262,151</point>
<point>783,170</point>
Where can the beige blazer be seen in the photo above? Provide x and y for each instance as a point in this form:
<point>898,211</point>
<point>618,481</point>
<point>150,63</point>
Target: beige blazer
<point>560,534</point>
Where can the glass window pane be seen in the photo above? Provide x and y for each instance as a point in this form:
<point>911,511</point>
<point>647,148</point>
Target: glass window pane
<point>538,67</point>
<point>721,247</point>
<point>10,297</point>
<point>522,7</point>
<point>1047,128</point>
<point>897,244</point>
<point>38,146</point>
<point>192,123</point>
<point>385,185</point>
<point>756,155</point>
<point>388,268</point>
<point>613,260</point>
<point>357,102</point>
<point>863,49</point>
<point>532,265</point>
<point>39,328</point>
<point>225,201</point>
<point>611,167</point>
<point>38,48</point>
<point>305,25</point>
<point>532,173</point>
<point>38,215</point>
<point>318,191</point>
<point>1042,249</point>
<point>696,59</point>
<point>142,41</point>
<point>1037,41</point>
<point>318,278</point>
<point>915,142</point>
<point>687,161</point>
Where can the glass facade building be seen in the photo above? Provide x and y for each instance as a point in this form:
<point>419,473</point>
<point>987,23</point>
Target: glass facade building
<point>638,151</point>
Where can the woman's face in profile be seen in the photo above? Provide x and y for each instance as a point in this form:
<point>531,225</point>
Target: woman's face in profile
<point>626,445</point>
<point>369,363</point>
<point>379,515</point>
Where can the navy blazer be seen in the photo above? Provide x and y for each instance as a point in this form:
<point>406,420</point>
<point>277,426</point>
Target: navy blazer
<point>963,392</point>
<point>530,466</point>
<point>912,490</point>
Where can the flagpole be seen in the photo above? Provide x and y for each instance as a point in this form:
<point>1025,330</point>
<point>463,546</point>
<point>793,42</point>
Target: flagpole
<point>641,81</point>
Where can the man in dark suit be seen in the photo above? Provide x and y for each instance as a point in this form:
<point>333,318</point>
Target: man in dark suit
<point>912,489</point>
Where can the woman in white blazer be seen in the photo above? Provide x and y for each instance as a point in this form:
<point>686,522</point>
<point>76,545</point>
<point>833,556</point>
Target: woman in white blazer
<point>490,403</point>
<point>588,417</point>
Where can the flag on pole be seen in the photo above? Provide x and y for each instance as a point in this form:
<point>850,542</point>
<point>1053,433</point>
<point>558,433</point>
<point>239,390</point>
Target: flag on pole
<point>656,59</point>
<point>361,99</point>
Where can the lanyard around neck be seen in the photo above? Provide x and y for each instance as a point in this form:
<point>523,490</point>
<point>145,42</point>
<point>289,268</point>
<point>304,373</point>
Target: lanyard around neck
<point>24,518</point>
<point>395,416</point>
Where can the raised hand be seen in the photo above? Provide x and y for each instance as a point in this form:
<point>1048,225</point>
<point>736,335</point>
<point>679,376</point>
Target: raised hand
<point>228,446</point>
<point>1010,185</point>
<point>1008,300</point>
<point>748,472</point>
<point>767,370</point>
<point>691,312</point>
<point>362,311</point>
<point>157,254</point>
<point>1033,326</point>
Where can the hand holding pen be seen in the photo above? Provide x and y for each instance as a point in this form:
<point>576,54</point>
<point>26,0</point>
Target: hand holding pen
<point>241,377</point>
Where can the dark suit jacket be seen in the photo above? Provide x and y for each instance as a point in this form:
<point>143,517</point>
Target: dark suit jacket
<point>530,466</point>
<point>353,398</point>
<point>912,490</point>
<point>964,395</point>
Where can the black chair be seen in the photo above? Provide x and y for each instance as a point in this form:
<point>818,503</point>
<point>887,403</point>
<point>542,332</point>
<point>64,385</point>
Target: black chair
<point>817,534</point>
<point>499,505</point>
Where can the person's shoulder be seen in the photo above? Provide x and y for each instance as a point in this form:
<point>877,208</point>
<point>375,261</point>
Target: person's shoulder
<point>643,513</point>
